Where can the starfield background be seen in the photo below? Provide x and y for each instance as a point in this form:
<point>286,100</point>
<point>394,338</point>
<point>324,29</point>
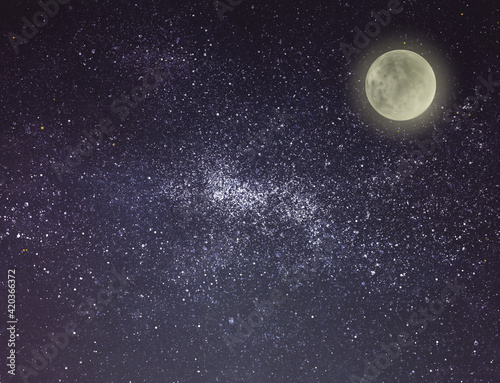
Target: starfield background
<point>200,192</point>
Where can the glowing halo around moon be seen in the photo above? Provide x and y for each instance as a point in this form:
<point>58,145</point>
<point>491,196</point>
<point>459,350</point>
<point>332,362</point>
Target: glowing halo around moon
<point>400,85</point>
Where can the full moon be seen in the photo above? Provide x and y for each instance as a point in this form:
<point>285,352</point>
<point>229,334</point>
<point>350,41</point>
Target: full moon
<point>400,85</point>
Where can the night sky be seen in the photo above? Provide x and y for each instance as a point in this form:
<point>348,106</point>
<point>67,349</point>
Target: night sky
<point>201,192</point>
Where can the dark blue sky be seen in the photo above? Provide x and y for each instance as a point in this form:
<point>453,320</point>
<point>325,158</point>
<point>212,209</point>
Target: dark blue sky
<point>213,161</point>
